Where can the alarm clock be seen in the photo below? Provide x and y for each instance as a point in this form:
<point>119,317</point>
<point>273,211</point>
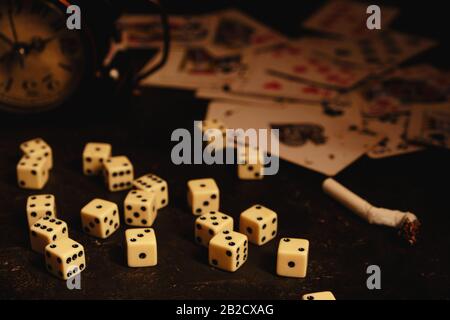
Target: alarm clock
<point>43,64</point>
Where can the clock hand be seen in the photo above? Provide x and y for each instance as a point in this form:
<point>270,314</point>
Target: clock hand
<point>11,21</point>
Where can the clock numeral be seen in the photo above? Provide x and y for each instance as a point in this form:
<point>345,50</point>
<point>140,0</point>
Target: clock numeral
<point>7,85</point>
<point>30,88</point>
<point>50,83</point>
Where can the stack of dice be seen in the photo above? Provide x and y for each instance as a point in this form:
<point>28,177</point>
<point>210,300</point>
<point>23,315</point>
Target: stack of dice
<point>100,218</point>
<point>64,257</point>
<point>33,169</point>
<point>228,249</point>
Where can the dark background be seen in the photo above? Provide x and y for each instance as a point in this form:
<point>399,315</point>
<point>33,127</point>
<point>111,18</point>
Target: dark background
<point>341,245</point>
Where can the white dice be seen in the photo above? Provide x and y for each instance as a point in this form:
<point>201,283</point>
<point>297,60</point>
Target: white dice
<point>95,155</point>
<point>259,224</point>
<point>38,148</point>
<point>228,250</point>
<point>140,208</point>
<point>211,224</point>
<point>45,231</point>
<point>65,258</point>
<point>250,163</point>
<point>203,196</point>
<point>100,218</point>
<point>153,183</point>
<point>212,128</point>
<point>292,257</point>
<point>324,295</point>
<point>141,247</point>
<point>39,206</point>
<point>118,173</point>
<point>32,172</point>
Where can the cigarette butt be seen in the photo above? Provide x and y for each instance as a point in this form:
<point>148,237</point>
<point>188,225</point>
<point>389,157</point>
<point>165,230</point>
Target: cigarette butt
<point>407,222</point>
<point>347,198</point>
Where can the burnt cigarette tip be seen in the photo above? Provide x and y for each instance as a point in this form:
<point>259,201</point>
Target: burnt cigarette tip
<point>410,231</point>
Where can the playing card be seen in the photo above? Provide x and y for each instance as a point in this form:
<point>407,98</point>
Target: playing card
<point>377,53</point>
<point>392,95</point>
<point>395,142</point>
<point>307,136</point>
<point>256,80</point>
<point>227,95</point>
<point>196,67</point>
<point>237,31</point>
<point>386,104</point>
<point>146,30</point>
<point>300,65</point>
<point>430,124</point>
<point>347,18</point>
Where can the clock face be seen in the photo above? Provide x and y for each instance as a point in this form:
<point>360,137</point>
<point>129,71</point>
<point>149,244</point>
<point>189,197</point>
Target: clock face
<point>41,61</point>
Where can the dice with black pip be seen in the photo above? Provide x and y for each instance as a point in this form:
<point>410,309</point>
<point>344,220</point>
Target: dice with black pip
<point>100,218</point>
<point>118,173</point>
<point>228,250</point>
<point>211,224</point>
<point>140,208</point>
<point>65,258</point>
<point>203,196</point>
<point>95,155</point>
<point>39,206</point>
<point>152,183</point>
<point>45,231</point>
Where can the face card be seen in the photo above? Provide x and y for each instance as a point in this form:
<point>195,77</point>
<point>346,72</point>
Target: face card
<point>196,67</point>
<point>347,18</point>
<point>395,142</point>
<point>393,94</point>
<point>307,136</point>
<point>146,30</point>
<point>430,124</point>
<point>237,31</point>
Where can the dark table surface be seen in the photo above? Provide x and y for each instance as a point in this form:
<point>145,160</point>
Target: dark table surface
<point>341,245</point>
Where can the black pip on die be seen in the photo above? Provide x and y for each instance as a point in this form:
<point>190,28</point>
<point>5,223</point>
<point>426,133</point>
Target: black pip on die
<point>39,206</point>
<point>140,208</point>
<point>65,258</point>
<point>153,183</point>
<point>47,230</point>
<point>203,196</point>
<point>118,173</point>
<point>100,218</point>
<point>228,250</point>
